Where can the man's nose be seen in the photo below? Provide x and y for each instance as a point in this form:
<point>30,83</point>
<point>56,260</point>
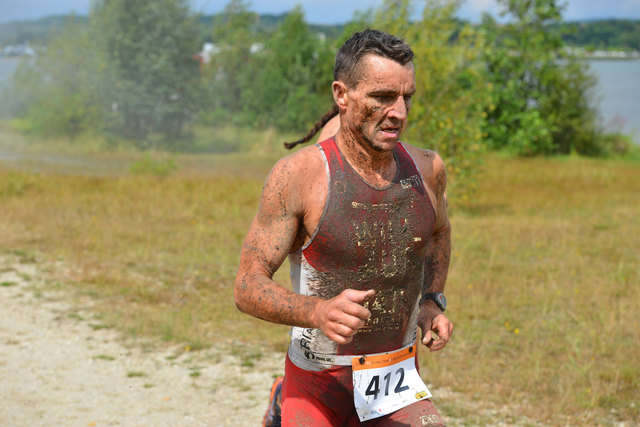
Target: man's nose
<point>399,109</point>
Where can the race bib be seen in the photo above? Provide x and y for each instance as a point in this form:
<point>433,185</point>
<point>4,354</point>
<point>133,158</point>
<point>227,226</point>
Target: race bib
<point>384,383</point>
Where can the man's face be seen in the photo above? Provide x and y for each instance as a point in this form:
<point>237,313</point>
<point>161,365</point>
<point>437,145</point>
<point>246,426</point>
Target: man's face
<point>377,107</point>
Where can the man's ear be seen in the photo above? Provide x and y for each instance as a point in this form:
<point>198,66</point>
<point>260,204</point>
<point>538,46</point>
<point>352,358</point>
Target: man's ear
<point>340,94</point>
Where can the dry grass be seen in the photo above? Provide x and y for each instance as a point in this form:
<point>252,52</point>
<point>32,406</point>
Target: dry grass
<point>544,291</point>
<point>543,286</point>
<point>157,249</point>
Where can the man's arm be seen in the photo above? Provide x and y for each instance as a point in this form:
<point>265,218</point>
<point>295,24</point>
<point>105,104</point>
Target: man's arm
<point>431,319</point>
<point>269,240</point>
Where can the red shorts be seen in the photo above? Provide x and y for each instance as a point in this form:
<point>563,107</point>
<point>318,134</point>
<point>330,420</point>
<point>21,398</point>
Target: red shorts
<point>325,398</point>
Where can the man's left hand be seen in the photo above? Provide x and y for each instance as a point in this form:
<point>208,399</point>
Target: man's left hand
<point>438,324</point>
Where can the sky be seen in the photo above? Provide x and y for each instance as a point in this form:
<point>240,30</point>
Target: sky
<point>322,11</point>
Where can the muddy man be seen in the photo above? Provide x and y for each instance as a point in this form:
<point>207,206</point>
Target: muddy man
<point>362,217</point>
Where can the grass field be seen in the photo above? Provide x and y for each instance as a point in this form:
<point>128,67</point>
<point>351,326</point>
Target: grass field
<point>543,287</point>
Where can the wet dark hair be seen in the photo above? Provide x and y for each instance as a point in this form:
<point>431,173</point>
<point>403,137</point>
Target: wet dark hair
<point>368,42</point>
<point>346,68</point>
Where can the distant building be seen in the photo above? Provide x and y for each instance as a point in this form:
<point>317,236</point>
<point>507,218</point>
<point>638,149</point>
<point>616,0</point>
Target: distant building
<point>208,49</point>
<point>602,54</point>
<point>18,50</point>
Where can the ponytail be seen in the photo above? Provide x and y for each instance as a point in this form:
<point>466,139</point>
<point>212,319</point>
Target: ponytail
<point>319,125</point>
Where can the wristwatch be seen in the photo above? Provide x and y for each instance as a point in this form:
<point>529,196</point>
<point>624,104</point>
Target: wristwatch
<point>438,297</point>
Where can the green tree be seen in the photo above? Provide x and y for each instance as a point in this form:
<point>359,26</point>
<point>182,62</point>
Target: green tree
<point>601,34</point>
<point>294,82</point>
<point>55,94</point>
<point>448,108</point>
<point>540,93</point>
<point>151,79</point>
<point>232,68</point>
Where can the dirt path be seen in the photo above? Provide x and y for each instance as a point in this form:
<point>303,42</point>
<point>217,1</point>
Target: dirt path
<point>59,368</point>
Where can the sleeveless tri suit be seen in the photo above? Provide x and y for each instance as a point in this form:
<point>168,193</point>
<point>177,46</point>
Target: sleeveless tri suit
<point>367,238</point>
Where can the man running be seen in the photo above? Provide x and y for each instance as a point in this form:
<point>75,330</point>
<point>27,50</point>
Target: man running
<point>362,218</point>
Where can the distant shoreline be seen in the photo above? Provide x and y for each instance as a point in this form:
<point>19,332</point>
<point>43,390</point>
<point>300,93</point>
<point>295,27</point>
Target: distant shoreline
<point>592,58</point>
<point>618,56</point>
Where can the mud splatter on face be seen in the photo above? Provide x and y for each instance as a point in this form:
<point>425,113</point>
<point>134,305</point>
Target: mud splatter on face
<point>374,102</point>
<point>363,116</point>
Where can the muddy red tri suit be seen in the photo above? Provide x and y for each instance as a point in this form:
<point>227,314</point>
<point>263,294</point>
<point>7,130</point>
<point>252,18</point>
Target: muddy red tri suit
<point>367,238</point>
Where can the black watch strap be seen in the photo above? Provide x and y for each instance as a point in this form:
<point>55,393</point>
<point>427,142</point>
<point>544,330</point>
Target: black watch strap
<point>438,297</point>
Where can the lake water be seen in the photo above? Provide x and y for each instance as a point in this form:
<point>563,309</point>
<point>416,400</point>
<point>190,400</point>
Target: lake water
<point>7,67</point>
<point>618,90</point>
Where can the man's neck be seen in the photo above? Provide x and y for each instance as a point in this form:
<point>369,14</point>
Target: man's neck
<point>378,168</point>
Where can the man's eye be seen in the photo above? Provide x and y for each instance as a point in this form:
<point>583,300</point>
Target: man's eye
<point>384,98</point>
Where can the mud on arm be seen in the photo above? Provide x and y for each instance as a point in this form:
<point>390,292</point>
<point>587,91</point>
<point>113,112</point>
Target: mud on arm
<point>265,247</point>
<point>438,255</point>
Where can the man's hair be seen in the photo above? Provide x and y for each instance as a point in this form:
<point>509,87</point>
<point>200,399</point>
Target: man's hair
<point>368,42</point>
<point>346,68</point>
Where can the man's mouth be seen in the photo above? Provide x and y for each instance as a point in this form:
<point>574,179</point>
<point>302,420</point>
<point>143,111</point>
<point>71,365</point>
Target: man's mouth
<point>390,131</point>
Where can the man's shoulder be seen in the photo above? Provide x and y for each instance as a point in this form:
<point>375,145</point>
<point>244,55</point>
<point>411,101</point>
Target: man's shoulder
<point>302,164</point>
<point>428,161</point>
<point>290,181</point>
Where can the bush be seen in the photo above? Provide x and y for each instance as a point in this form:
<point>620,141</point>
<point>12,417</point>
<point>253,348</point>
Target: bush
<point>149,165</point>
<point>55,94</point>
<point>540,102</point>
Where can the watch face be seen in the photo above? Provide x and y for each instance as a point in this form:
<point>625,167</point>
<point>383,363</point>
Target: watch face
<point>442,301</point>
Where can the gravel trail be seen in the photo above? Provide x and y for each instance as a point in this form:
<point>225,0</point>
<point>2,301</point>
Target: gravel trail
<point>61,368</point>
